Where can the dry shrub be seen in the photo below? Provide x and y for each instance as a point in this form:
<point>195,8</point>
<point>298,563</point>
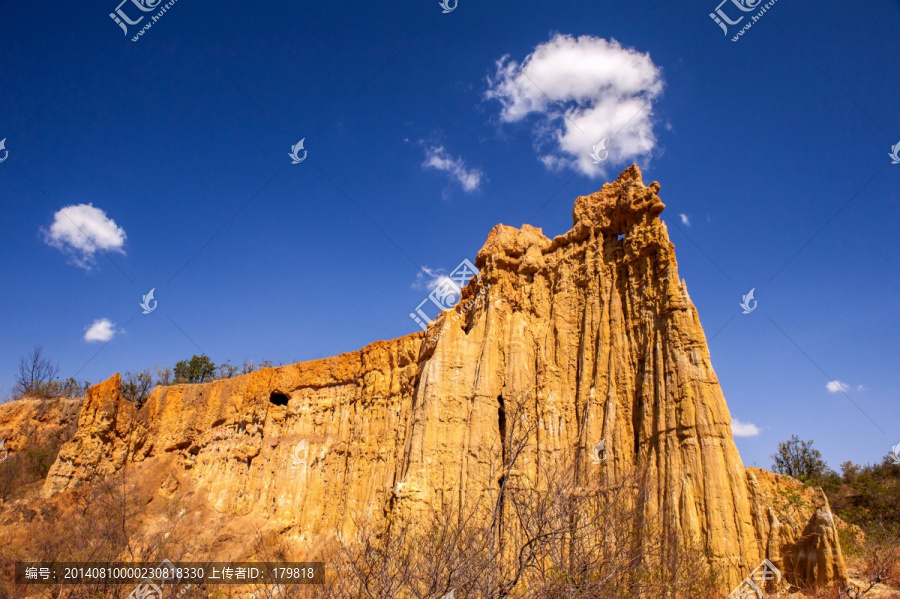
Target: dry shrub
<point>102,522</point>
<point>566,531</point>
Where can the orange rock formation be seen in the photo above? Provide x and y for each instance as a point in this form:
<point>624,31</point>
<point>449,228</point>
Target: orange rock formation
<point>594,326</point>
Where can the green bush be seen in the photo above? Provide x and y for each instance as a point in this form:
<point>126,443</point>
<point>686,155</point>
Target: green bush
<point>199,369</point>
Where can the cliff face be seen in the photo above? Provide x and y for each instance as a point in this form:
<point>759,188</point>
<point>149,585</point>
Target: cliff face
<point>591,333</point>
<point>32,422</point>
<point>303,446</point>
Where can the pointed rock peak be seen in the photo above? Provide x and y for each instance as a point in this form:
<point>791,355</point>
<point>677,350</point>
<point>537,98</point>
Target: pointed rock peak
<point>632,173</point>
<point>619,205</point>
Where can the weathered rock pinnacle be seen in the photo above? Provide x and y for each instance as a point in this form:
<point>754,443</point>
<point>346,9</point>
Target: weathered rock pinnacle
<point>594,326</point>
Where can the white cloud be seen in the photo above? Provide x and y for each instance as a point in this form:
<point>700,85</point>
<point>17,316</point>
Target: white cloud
<point>837,387</point>
<point>81,230</point>
<point>862,388</point>
<point>102,329</point>
<point>685,220</point>
<point>436,157</point>
<point>743,429</point>
<point>586,89</point>
<point>430,278</point>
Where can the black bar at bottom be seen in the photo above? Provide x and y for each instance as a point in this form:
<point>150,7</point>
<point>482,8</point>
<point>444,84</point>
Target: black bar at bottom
<point>159,574</point>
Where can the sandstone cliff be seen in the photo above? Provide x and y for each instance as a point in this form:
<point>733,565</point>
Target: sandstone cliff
<point>31,422</point>
<point>592,332</point>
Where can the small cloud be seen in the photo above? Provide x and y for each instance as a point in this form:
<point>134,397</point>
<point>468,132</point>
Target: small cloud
<point>862,388</point>
<point>436,157</point>
<point>837,387</point>
<point>743,429</point>
<point>582,90</point>
<point>429,278</point>
<point>81,230</point>
<point>685,220</point>
<point>102,329</point>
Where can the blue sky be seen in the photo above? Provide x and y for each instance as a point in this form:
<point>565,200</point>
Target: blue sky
<point>774,147</point>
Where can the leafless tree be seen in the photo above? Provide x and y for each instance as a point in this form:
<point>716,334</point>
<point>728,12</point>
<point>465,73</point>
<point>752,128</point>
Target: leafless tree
<point>36,375</point>
<point>163,375</point>
<point>136,386</point>
<point>558,531</point>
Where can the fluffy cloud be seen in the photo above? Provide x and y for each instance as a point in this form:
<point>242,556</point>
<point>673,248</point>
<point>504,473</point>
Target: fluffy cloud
<point>743,429</point>
<point>81,230</point>
<point>428,278</point>
<point>837,387</point>
<point>685,220</point>
<point>436,157</point>
<point>585,90</point>
<point>102,329</point>
<point>431,278</point>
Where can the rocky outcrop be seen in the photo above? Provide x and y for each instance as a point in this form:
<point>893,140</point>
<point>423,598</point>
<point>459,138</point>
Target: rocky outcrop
<point>800,531</point>
<point>306,445</point>
<point>814,557</point>
<point>36,422</point>
<point>591,333</point>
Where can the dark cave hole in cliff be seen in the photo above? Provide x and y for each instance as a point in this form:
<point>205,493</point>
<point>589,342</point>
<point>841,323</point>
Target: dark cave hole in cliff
<point>277,398</point>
